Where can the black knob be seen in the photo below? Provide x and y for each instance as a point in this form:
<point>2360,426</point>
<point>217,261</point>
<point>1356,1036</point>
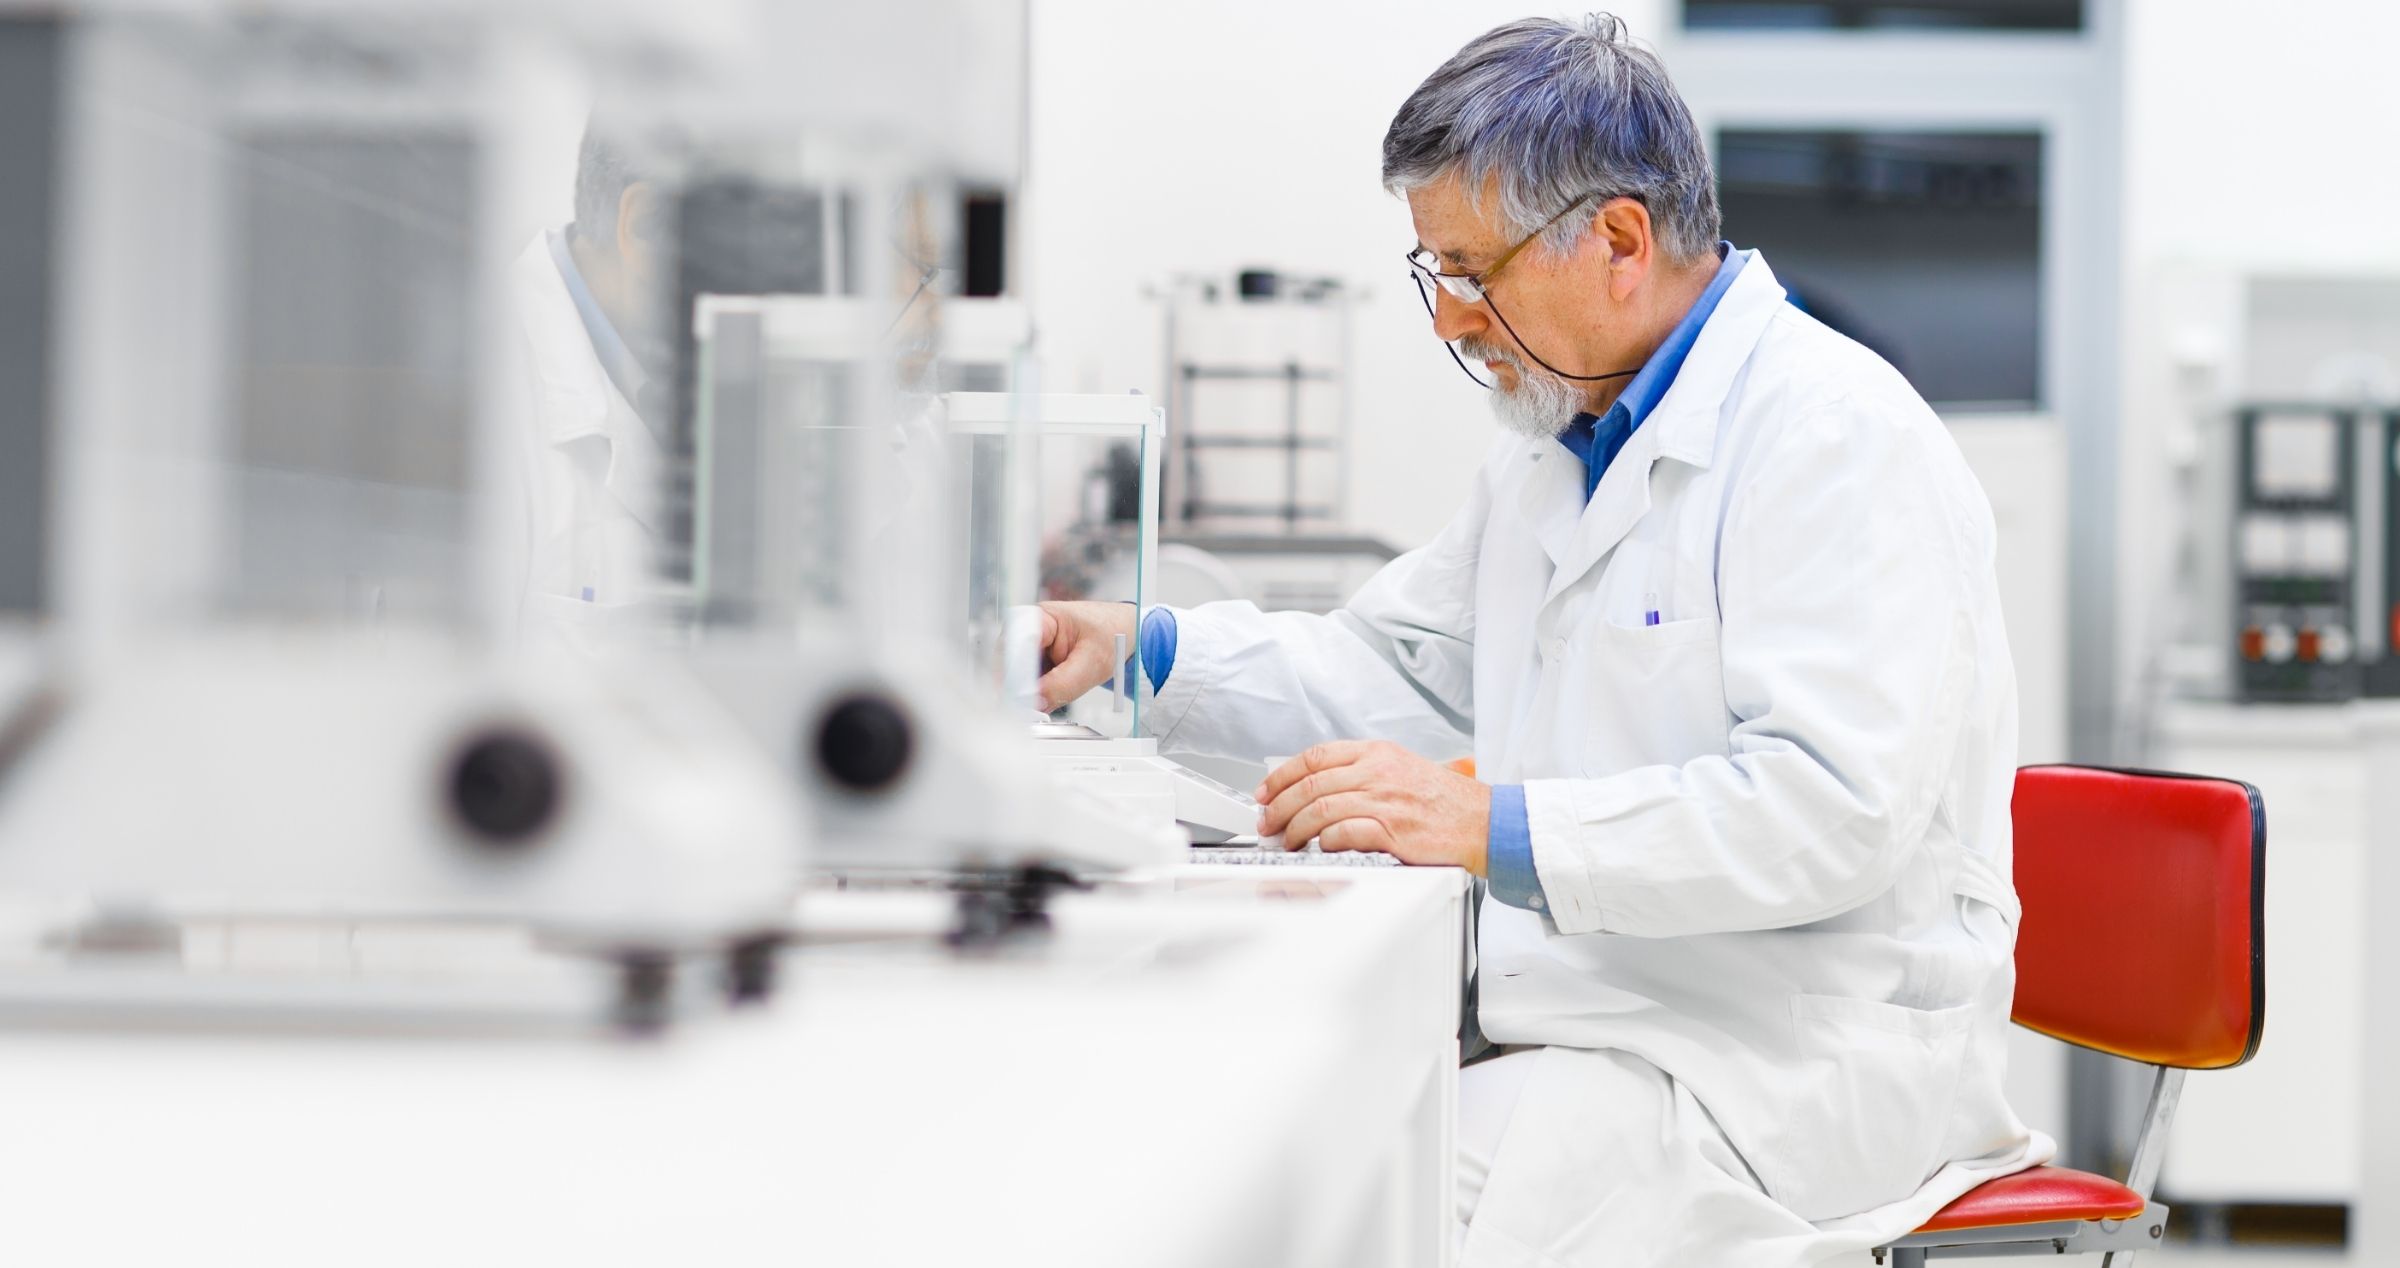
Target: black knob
<point>864,743</point>
<point>505,787</point>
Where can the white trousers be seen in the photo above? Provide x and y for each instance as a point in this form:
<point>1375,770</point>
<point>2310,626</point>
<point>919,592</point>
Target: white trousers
<point>1487,1098</point>
<point>1650,1182</point>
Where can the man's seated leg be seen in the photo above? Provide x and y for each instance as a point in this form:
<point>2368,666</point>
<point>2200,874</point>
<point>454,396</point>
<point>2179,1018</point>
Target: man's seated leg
<point>1487,1096</point>
<point>1587,1156</point>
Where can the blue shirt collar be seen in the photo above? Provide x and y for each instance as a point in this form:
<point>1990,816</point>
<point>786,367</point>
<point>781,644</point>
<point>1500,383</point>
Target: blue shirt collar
<point>1658,373</point>
<point>1596,441</point>
<point>615,357</point>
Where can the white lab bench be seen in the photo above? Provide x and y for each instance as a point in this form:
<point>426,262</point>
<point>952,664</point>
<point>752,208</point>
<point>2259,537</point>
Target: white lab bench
<point>2286,1126</point>
<point>1215,1065</point>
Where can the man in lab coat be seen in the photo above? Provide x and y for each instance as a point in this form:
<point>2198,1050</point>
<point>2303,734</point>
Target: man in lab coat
<point>587,465</point>
<point>1720,626</point>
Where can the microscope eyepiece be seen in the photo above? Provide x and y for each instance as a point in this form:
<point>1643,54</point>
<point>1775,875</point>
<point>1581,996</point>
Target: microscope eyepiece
<point>864,743</point>
<point>505,786</point>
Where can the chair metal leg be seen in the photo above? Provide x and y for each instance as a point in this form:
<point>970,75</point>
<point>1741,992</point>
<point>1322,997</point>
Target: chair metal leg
<point>1908,1257</point>
<point>2166,1089</point>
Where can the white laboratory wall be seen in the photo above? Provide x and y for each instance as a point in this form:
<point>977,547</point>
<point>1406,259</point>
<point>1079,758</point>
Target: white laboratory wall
<point>2286,1127</point>
<point>1173,138</point>
<point>2021,461</point>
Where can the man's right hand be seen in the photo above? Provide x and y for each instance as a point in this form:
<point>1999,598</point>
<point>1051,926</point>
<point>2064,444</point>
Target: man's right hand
<point>1080,649</point>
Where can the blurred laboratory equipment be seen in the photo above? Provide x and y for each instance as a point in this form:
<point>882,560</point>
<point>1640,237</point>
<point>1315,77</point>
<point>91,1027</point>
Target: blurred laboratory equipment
<point>2286,494</point>
<point>1090,497</point>
<point>731,457</point>
<point>283,688</point>
<point>854,661</point>
<point>2301,493</point>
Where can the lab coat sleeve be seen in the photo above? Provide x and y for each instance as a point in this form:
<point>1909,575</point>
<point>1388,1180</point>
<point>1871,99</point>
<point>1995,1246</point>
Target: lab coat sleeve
<point>1851,557</point>
<point>1396,664</point>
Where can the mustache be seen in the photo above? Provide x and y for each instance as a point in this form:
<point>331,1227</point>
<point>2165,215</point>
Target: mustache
<point>1482,351</point>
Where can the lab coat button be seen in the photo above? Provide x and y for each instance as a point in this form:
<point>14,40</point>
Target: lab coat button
<point>1554,648</point>
<point>1535,902</point>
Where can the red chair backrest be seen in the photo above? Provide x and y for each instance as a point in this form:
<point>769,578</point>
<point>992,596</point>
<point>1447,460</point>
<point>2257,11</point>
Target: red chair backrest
<point>2144,932</point>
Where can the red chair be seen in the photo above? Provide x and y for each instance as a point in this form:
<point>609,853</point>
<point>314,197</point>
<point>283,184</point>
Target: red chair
<point>2144,937</point>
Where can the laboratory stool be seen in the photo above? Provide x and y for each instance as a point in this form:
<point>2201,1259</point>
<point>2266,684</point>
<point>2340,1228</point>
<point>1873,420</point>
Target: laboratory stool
<point>2144,936</point>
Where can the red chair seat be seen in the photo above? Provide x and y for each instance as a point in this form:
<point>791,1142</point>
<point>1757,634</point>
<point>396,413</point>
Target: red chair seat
<point>2042,1195</point>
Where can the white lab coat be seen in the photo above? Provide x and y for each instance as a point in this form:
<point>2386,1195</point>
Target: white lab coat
<point>1773,828</point>
<point>587,483</point>
<point>585,489</point>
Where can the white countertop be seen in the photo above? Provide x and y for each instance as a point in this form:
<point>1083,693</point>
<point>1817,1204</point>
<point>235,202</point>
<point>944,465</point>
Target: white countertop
<point>1183,1073</point>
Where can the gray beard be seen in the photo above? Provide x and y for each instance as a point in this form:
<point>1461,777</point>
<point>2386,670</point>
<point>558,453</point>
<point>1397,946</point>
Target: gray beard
<point>1541,405</point>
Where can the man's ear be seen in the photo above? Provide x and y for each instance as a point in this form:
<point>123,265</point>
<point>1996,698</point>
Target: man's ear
<point>1622,230</point>
<point>641,223</point>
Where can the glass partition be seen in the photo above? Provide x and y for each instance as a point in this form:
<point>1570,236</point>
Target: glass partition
<point>387,317</point>
<point>1062,496</point>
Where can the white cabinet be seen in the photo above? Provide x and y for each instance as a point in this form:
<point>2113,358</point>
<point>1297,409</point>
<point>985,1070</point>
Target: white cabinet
<point>2285,1127</point>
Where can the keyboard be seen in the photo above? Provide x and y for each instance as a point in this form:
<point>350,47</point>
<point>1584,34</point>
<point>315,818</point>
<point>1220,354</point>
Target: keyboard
<point>1310,857</point>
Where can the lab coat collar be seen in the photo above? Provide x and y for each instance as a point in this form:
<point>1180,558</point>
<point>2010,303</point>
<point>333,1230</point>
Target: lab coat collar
<point>608,347</point>
<point>1685,421</point>
<point>574,397</point>
<point>1545,485</point>
<point>1683,427</point>
<point>1620,502</point>
<point>572,389</point>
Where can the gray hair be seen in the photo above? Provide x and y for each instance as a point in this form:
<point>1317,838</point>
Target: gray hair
<point>1557,111</point>
<point>603,171</point>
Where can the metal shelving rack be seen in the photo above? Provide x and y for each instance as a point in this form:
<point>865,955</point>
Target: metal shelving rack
<point>1190,503</point>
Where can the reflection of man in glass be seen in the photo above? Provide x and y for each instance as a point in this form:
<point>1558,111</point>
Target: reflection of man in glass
<point>587,304</point>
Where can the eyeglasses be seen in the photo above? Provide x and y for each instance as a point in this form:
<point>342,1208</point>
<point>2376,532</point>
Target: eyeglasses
<point>1474,288</point>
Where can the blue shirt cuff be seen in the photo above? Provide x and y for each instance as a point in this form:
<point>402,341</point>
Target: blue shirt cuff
<point>1508,853</point>
<point>1158,646</point>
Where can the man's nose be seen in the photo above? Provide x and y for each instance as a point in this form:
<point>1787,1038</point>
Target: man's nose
<point>1454,318</point>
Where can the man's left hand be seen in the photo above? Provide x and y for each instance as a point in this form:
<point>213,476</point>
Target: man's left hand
<point>1370,795</point>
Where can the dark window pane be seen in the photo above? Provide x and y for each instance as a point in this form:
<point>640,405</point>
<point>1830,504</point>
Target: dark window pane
<point>1925,246</point>
<point>1904,15</point>
<point>30,49</point>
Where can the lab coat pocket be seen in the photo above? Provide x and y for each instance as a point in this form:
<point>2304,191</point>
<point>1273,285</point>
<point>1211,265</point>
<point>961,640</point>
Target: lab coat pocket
<point>1876,1090</point>
<point>1650,695</point>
